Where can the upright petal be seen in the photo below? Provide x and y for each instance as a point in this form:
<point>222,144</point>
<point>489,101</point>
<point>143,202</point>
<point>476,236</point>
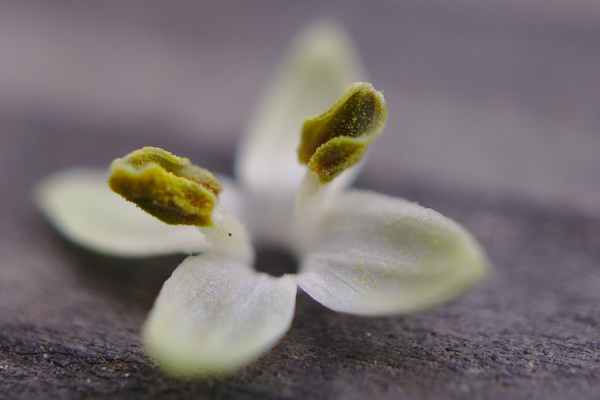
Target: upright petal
<point>319,66</point>
<point>214,316</point>
<point>377,255</point>
<point>82,207</point>
<point>316,70</point>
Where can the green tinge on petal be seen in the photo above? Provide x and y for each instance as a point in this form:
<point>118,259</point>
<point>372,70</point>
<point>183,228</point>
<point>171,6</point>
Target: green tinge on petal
<point>215,315</point>
<point>337,139</point>
<point>379,255</point>
<point>166,186</point>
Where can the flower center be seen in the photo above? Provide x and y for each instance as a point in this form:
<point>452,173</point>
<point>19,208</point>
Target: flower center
<point>275,261</point>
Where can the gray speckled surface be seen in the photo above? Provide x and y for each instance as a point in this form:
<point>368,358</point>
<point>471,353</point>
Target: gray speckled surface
<point>493,121</point>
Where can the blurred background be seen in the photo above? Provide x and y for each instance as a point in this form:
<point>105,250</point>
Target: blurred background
<point>499,97</point>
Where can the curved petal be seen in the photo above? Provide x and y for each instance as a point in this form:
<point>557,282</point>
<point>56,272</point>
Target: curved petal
<point>316,70</point>
<point>214,316</point>
<point>377,255</point>
<point>82,207</point>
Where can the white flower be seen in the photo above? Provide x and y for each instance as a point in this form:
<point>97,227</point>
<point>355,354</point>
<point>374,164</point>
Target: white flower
<point>358,252</point>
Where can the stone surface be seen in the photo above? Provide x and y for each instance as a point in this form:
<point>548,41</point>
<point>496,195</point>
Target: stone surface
<point>497,110</point>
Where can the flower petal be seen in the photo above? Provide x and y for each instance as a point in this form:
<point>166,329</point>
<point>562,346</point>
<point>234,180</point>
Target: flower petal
<point>377,255</point>
<point>215,315</point>
<point>82,207</point>
<point>321,63</point>
<point>228,236</point>
<point>231,196</point>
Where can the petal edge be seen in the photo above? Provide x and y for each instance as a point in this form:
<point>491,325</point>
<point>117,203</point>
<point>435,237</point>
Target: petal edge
<point>379,255</point>
<point>214,316</point>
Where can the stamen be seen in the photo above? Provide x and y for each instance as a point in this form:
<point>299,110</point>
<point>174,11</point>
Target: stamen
<point>338,138</point>
<point>166,186</point>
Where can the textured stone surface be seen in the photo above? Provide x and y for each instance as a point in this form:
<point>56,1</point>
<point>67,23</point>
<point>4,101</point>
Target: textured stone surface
<point>495,109</point>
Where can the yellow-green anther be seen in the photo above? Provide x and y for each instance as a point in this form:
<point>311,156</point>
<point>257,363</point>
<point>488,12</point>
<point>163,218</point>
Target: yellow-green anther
<point>337,139</point>
<point>169,187</point>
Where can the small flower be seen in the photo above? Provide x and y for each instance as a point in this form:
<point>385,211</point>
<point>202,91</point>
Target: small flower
<point>359,252</point>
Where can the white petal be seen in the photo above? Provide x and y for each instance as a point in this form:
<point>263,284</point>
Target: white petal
<point>228,233</point>
<point>82,207</point>
<point>319,66</point>
<point>228,236</point>
<point>214,315</point>
<point>313,199</point>
<point>377,255</point>
<point>231,196</point>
